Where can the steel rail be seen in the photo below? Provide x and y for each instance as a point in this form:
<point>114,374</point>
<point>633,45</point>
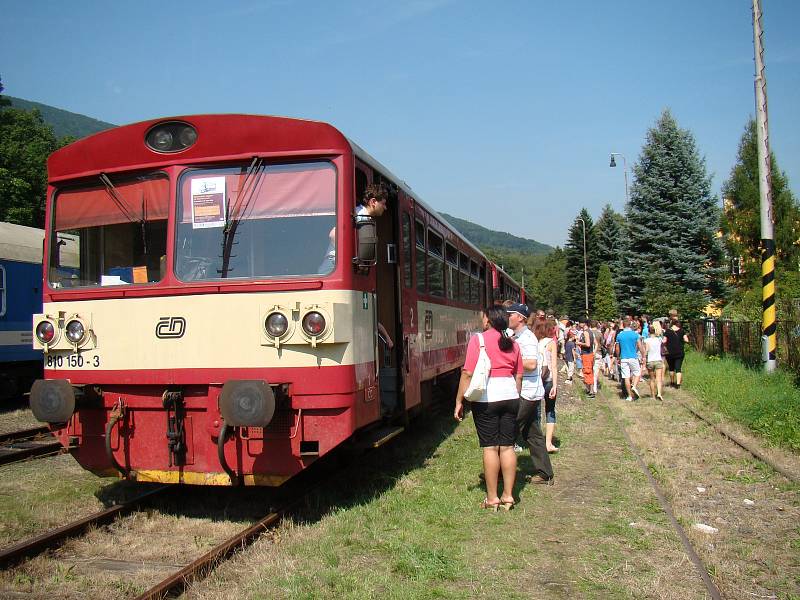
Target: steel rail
<point>711,587</point>
<point>19,451</point>
<point>23,434</point>
<point>49,539</point>
<point>742,444</point>
<point>178,582</point>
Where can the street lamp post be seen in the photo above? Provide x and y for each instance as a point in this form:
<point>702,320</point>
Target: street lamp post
<point>625,168</point>
<point>585,273</point>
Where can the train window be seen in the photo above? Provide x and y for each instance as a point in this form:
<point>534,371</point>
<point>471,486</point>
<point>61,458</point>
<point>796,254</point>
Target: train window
<point>452,281</point>
<point>407,250</point>
<point>435,264</point>
<point>419,230</point>
<point>273,220</point>
<point>361,185</point>
<point>482,295</point>
<point>463,277</point>
<point>452,255</point>
<point>435,244</point>
<point>2,291</point>
<point>110,233</point>
<point>419,233</point>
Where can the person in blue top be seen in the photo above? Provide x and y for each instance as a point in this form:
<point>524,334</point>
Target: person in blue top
<point>631,355</point>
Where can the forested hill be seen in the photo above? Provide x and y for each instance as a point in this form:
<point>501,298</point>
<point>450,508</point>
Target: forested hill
<point>63,122</point>
<point>486,238</point>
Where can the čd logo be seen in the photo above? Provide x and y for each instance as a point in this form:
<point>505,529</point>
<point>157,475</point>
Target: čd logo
<point>170,327</point>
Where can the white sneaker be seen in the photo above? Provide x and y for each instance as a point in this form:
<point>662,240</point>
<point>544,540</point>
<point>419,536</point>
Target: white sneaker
<point>628,399</point>
<point>518,449</point>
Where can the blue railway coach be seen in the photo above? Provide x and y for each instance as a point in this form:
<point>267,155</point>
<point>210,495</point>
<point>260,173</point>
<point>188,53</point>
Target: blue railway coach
<point>20,298</point>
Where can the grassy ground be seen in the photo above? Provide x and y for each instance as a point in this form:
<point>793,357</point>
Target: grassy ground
<point>405,523</point>
<point>755,552</point>
<point>15,417</point>
<point>767,404</point>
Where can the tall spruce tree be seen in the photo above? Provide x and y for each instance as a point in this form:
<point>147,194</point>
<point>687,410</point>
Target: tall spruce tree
<point>573,251</point>
<point>672,223</point>
<point>605,300</point>
<point>610,233</point>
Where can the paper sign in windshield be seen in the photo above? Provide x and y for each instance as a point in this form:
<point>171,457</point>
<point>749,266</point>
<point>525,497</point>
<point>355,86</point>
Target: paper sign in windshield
<point>208,202</point>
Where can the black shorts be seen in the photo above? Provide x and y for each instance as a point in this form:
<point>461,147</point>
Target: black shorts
<point>674,363</point>
<point>496,422</point>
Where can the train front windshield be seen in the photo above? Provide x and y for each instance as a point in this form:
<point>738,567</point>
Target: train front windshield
<point>113,232</point>
<point>257,221</point>
<point>264,220</point>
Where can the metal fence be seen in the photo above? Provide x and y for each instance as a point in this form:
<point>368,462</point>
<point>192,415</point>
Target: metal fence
<point>743,339</point>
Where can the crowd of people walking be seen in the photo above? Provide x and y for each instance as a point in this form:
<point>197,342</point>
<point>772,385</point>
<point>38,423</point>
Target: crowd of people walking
<point>516,359</point>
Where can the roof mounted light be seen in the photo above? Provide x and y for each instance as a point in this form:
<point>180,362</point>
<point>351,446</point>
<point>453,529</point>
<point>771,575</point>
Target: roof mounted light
<point>170,136</point>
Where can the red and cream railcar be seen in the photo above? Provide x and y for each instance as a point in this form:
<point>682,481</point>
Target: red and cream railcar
<point>216,319</point>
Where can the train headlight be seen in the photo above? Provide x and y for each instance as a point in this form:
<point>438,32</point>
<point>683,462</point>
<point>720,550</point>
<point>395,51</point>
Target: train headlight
<point>161,140</point>
<point>314,324</point>
<point>45,332</point>
<point>75,331</point>
<point>171,136</point>
<point>277,324</point>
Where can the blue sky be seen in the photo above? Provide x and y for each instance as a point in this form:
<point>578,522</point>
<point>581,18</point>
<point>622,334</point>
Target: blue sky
<point>500,113</point>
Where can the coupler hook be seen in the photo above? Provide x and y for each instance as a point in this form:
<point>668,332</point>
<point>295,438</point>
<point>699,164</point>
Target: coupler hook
<point>117,414</point>
<point>176,434</point>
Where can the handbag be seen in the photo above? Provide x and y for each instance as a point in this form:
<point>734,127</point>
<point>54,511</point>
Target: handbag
<point>480,376</point>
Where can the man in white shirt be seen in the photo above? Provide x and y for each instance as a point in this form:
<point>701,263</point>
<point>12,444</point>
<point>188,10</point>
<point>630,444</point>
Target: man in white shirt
<point>531,395</point>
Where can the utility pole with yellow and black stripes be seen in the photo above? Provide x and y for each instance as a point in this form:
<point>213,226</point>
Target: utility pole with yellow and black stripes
<point>768,327</point>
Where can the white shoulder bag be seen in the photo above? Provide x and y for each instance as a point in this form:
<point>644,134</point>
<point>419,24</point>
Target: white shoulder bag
<point>480,376</point>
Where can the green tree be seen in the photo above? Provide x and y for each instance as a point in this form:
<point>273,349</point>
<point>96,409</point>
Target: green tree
<point>610,233</point>
<point>521,266</point>
<point>605,300</point>
<point>3,101</point>
<point>548,287</point>
<point>741,218</point>
<point>25,143</point>
<point>672,224</point>
<point>741,226</point>
<point>574,254</point>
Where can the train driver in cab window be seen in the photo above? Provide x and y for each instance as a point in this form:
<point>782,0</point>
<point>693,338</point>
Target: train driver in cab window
<point>373,202</point>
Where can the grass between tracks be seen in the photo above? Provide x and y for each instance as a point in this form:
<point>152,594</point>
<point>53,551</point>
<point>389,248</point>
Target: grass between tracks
<point>405,523</point>
<point>767,404</point>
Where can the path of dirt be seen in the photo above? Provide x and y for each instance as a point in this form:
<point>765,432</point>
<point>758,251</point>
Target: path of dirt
<point>755,552</point>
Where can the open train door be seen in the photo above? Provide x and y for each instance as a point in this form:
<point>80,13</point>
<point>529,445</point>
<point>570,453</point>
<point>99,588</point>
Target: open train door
<point>411,356</point>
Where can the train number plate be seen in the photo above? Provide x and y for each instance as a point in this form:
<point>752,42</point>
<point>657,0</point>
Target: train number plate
<point>71,360</point>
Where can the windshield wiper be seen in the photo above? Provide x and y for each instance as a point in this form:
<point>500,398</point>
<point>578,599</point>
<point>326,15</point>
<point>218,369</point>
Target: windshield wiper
<point>118,200</point>
<point>241,204</point>
<point>125,209</point>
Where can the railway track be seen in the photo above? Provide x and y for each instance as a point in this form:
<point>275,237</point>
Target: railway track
<point>692,552</point>
<point>755,452</point>
<point>35,442</point>
<point>48,540</point>
<point>180,575</point>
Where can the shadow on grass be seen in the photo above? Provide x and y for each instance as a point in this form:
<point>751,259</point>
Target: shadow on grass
<point>343,478</point>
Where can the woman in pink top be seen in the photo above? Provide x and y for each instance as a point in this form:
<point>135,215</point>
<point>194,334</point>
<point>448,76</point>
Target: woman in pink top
<point>495,415</point>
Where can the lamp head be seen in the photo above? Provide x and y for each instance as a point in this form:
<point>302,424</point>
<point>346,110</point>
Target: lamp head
<point>613,163</point>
